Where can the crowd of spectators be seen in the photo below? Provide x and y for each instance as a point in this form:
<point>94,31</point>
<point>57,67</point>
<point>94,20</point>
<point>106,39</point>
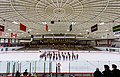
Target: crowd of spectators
<point>107,72</point>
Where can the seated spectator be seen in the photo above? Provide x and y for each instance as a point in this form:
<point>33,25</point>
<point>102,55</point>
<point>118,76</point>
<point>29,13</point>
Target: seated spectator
<point>25,73</point>
<point>17,74</point>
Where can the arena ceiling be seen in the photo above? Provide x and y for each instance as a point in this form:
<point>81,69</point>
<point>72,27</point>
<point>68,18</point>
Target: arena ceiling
<point>82,14</point>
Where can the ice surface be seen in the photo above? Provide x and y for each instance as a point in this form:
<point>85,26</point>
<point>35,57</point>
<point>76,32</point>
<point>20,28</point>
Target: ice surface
<point>87,62</point>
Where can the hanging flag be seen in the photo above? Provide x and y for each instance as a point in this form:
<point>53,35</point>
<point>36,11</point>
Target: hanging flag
<point>46,27</point>
<point>70,27</point>
<point>9,42</point>
<point>1,28</point>
<point>0,33</point>
<point>94,28</point>
<point>13,35</point>
<point>22,27</point>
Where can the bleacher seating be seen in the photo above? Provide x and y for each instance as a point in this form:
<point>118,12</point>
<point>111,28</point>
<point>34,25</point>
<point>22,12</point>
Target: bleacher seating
<point>60,47</point>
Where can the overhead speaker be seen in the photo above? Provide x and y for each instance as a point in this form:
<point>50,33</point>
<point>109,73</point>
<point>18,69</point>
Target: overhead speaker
<point>42,36</point>
<point>32,36</point>
<point>52,22</point>
<point>58,20</point>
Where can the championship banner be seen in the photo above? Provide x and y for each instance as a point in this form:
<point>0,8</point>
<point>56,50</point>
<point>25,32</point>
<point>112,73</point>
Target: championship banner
<point>1,28</point>
<point>116,30</point>
<point>70,27</point>
<point>117,33</point>
<point>94,28</point>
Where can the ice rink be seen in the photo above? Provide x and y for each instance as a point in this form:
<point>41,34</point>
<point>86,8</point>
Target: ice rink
<point>87,61</point>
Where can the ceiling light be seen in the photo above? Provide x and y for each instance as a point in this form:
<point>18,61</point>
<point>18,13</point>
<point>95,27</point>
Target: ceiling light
<point>102,37</point>
<point>9,30</point>
<point>65,33</point>
<point>106,30</point>
<point>49,30</point>
<point>29,35</point>
<point>87,30</point>
<point>44,22</point>
<point>102,23</point>
<point>68,30</point>
<point>117,35</point>
<point>7,33</point>
<point>80,33</point>
<point>37,33</point>
<point>73,23</point>
<point>51,33</point>
<point>29,30</point>
<point>14,22</point>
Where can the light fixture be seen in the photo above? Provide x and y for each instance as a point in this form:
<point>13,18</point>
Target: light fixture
<point>29,30</point>
<point>37,33</point>
<point>102,23</point>
<point>44,23</point>
<point>68,30</point>
<point>9,30</point>
<point>87,30</point>
<point>7,33</point>
<point>51,33</point>
<point>49,30</point>
<point>106,30</point>
<point>14,22</point>
<point>73,23</point>
<point>65,33</point>
<point>80,33</point>
<point>102,37</point>
<point>116,35</point>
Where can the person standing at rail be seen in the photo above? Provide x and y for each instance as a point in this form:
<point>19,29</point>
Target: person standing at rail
<point>107,72</point>
<point>115,71</point>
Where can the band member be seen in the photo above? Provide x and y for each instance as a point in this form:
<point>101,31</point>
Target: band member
<point>58,67</point>
<point>77,56</point>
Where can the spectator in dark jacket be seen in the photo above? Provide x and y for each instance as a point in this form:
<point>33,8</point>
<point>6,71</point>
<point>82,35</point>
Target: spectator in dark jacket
<point>25,73</point>
<point>115,71</point>
<point>107,72</point>
<point>97,73</point>
<point>17,74</point>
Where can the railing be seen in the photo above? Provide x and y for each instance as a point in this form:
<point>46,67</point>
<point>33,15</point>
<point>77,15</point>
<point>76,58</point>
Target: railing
<point>55,75</point>
<point>72,66</point>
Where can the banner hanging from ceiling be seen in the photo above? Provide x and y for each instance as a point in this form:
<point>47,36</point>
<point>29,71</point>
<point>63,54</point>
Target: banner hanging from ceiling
<point>1,28</point>
<point>94,28</point>
<point>116,29</point>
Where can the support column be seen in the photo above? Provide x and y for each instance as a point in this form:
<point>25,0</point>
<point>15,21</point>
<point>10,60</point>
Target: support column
<point>69,69</point>
<point>44,70</point>
<point>9,42</point>
<point>108,42</point>
<point>96,43</point>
